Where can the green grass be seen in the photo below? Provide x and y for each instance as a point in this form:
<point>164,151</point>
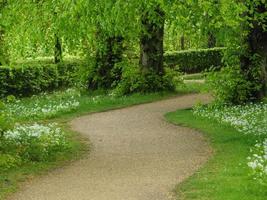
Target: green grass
<point>197,76</point>
<point>225,175</point>
<point>11,179</point>
<point>192,87</point>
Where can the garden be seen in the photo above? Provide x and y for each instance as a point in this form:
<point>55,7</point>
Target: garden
<point>65,62</point>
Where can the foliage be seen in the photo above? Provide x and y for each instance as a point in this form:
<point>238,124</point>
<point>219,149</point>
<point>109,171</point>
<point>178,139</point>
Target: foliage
<point>5,121</point>
<point>103,72</point>
<point>34,143</point>
<point>29,79</point>
<point>231,86</point>
<point>8,161</point>
<point>134,81</point>
<point>257,161</point>
<point>195,61</point>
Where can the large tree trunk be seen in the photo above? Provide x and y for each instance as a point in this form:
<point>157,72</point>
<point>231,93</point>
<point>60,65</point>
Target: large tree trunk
<point>255,56</point>
<point>151,43</point>
<point>58,50</point>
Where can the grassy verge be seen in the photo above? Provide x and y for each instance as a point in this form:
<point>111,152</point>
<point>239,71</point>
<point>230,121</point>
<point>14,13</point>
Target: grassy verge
<point>10,179</point>
<point>225,176</point>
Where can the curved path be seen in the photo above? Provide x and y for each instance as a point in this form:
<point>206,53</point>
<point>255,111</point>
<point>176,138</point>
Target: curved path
<point>136,155</point>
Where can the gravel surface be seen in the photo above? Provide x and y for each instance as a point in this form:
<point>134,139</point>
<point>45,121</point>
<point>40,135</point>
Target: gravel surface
<point>136,155</point>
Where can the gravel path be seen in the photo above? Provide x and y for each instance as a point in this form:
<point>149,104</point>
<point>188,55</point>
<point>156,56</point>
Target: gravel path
<point>136,155</point>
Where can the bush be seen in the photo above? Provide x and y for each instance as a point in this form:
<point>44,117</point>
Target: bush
<point>133,80</point>
<point>231,86</point>
<point>195,61</point>
<point>8,161</point>
<point>26,80</point>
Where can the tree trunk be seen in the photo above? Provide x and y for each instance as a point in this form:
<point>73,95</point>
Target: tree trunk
<point>58,50</point>
<point>211,40</point>
<point>151,42</point>
<point>182,42</point>
<point>256,55</point>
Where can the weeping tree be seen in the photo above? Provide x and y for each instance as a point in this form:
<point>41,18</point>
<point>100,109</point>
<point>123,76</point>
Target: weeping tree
<point>243,27</point>
<point>36,28</point>
<point>108,39</point>
<point>118,21</point>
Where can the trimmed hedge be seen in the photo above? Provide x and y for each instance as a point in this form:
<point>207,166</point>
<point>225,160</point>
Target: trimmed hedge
<point>195,61</point>
<point>29,79</point>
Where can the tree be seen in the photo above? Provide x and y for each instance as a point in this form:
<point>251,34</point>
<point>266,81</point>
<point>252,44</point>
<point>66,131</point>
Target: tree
<point>36,28</point>
<point>151,42</point>
<point>108,39</point>
<point>254,58</point>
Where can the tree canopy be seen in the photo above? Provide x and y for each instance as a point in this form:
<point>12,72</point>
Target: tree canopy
<point>96,29</point>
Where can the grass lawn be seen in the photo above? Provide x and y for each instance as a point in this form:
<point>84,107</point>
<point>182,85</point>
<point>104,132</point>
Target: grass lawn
<point>197,76</point>
<point>10,179</point>
<point>226,175</point>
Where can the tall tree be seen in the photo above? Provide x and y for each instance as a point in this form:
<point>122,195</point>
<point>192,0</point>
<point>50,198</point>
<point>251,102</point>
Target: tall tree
<point>37,27</point>
<point>108,39</point>
<point>254,58</point>
<point>151,42</point>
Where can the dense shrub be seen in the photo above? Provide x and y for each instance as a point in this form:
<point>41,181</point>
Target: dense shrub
<point>28,79</point>
<point>231,86</point>
<point>133,80</point>
<point>194,61</point>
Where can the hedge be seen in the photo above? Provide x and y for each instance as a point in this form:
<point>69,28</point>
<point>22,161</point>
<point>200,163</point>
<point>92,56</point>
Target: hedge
<point>29,79</point>
<point>194,61</point>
